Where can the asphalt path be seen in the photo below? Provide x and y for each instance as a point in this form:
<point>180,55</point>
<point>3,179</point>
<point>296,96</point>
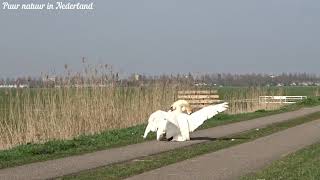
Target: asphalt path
<point>233,162</point>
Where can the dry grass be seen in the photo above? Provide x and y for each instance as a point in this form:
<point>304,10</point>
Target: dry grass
<point>39,115</point>
<point>43,114</point>
<point>317,91</point>
<point>243,100</point>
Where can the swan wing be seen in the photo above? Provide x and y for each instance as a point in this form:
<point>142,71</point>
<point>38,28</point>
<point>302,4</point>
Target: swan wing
<point>172,130</point>
<point>155,121</point>
<point>197,118</point>
<point>172,126</point>
<point>177,125</point>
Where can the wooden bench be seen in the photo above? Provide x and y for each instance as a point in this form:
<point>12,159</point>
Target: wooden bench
<point>199,98</point>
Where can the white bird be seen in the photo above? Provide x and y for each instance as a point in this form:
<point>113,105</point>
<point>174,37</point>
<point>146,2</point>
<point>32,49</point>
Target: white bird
<point>178,125</point>
<point>157,122</point>
<point>181,106</point>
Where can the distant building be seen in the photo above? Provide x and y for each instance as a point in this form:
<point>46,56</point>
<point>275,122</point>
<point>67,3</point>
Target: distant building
<point>201,84</point>
<point>14,86</point>
<point>306,84</point>
<point>49,79</point>
<point>137,77</point>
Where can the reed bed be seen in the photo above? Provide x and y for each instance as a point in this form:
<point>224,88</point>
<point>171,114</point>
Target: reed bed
<point>317,92</point>
<point>33,116</point>
<point>43,114</point>
<point>244,100</point>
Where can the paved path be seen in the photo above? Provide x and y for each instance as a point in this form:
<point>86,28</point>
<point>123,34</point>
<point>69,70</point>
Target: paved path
<point>231,163</point>
<point>73,164</point>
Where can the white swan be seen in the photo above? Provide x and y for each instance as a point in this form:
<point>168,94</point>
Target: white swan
<point>181,106</point>
<point>178,125</point>
<point>157,122</point>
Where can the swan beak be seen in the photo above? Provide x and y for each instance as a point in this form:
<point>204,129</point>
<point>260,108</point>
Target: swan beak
<point>171,108</point>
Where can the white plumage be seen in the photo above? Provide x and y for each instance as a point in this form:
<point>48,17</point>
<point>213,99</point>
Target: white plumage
<point>178,125</point>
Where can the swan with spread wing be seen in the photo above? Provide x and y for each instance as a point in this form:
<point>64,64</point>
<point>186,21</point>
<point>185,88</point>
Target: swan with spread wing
<point>177,125</point>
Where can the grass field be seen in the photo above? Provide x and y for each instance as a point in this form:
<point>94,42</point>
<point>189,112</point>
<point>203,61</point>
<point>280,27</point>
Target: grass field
<point>286,90</point>
<point>304,164</point>
<point>137,166</point>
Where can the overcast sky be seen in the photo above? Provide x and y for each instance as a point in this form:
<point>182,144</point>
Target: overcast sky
<point>165,36</point>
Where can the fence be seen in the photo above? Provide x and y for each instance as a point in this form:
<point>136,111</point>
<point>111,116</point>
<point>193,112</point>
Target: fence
<point>281,99</point>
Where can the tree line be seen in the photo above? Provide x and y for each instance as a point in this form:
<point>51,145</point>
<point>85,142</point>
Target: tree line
<point>212,79</point>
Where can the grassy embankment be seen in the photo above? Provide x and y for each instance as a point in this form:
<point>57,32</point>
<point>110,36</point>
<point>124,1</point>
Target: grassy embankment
<point>137,166</point>
<point>88,143</point>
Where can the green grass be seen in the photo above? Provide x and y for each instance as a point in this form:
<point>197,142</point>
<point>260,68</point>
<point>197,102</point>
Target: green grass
<point>137,166</point>
<point>309,91</point>
<point>304,164</point>
<point>301,90</point>
<point>115,138</point>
